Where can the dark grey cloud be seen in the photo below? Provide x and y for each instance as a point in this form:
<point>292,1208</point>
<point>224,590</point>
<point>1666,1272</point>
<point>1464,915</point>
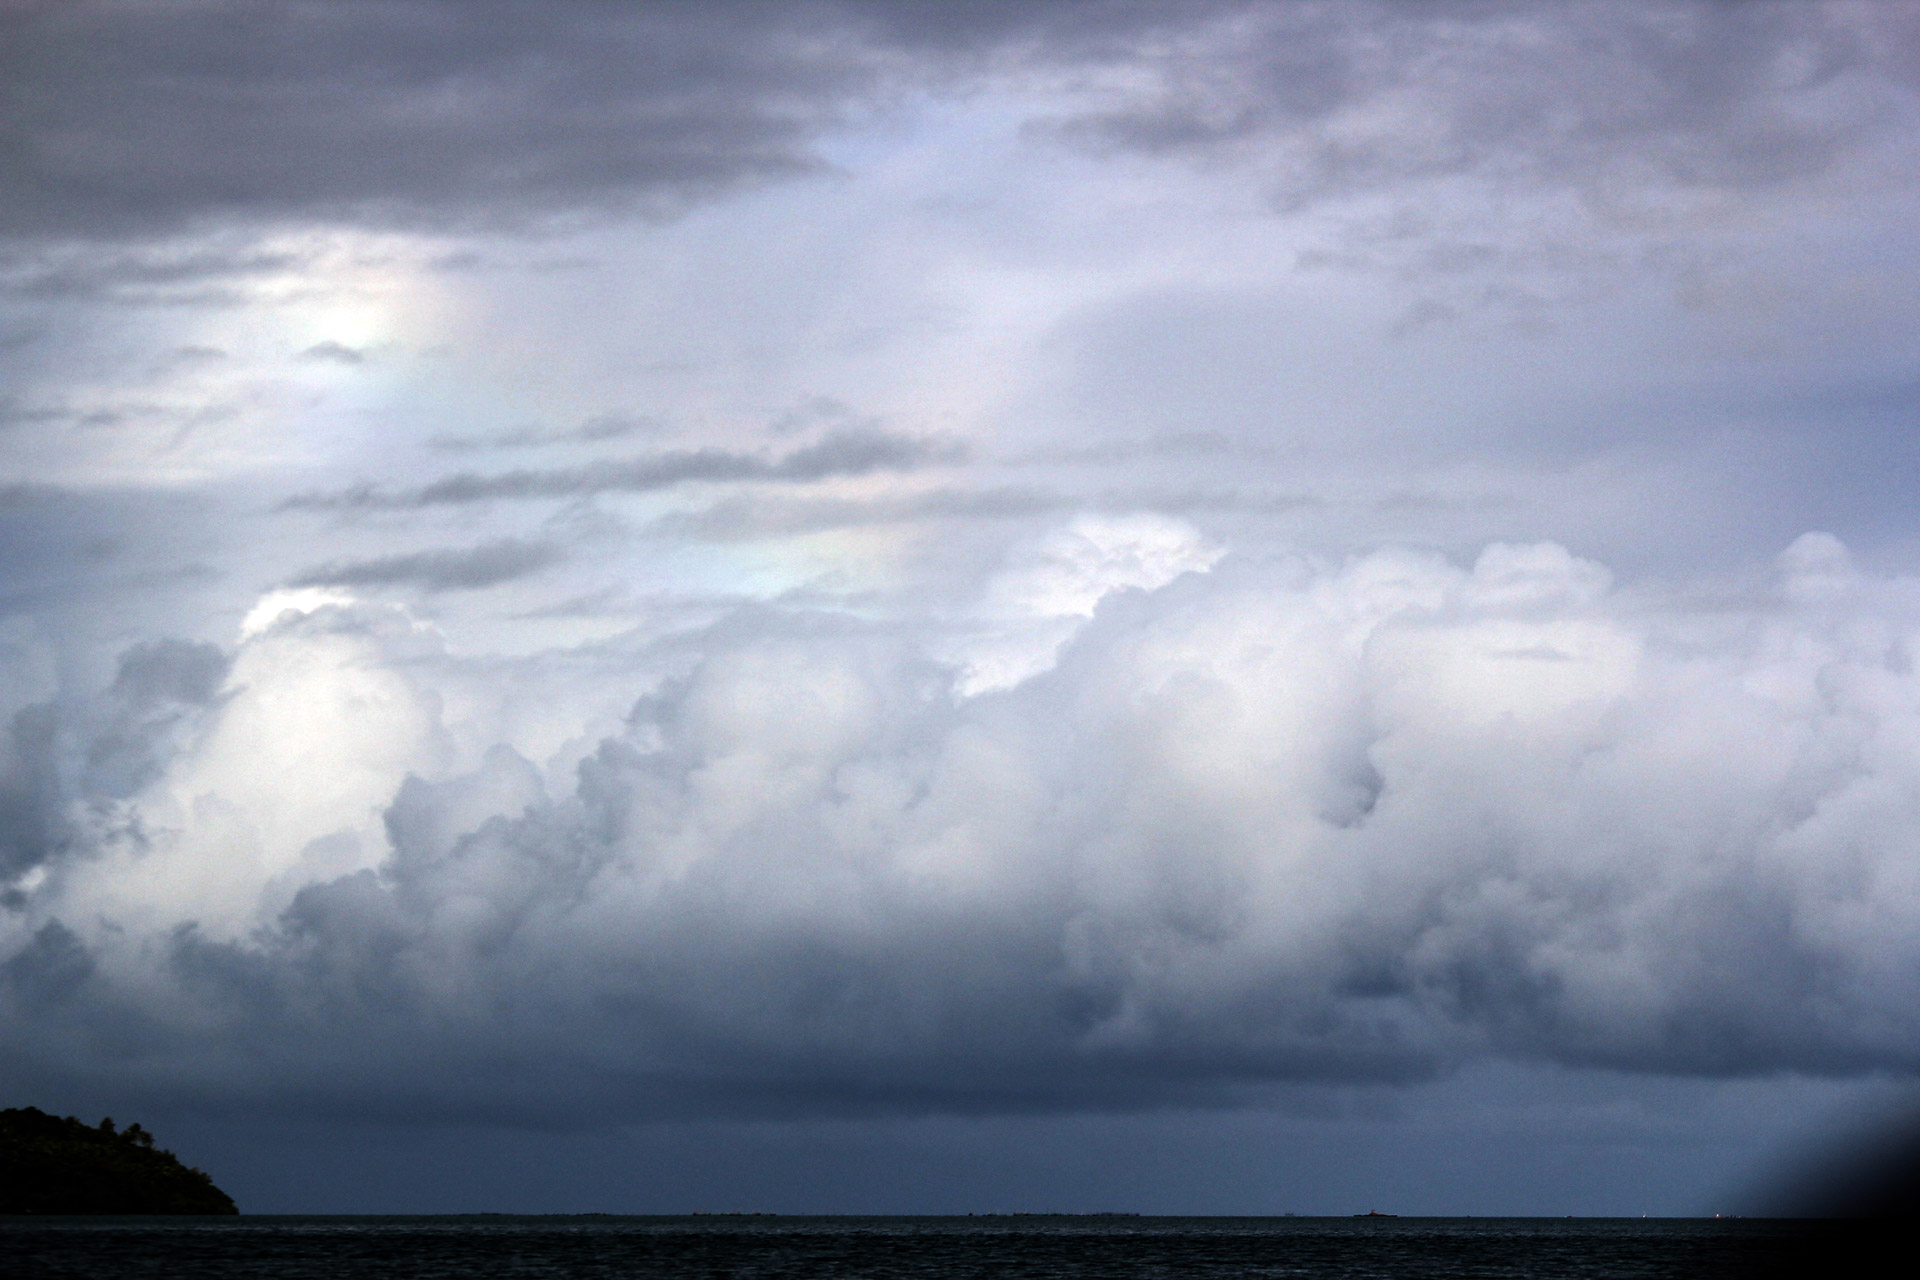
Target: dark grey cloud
<point>51,969</point>
<point>599,428</point>
<point>161,275</point>
<point>119,119</point>
<point>336,352</point>
<point>162,688</point>
<point>1511,158</point>
<point>169,670</point>
<point>30,791</point>
<point>107,748</point>
<point>840,453</point>
<point>462,569</point>
<point>1554,1146</point>
<point>122,120</point>
<point>1585,96</point>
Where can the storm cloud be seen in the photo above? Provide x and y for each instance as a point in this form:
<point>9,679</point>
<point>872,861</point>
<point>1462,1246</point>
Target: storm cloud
<point>834,563</point>
<point>1292,822</point>
<point>139,120</point>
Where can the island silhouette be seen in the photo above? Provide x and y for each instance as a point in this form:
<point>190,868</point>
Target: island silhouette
<point>60,1164</point>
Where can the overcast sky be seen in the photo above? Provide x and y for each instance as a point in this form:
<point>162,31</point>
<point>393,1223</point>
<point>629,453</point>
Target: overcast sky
<point>1167,606</point>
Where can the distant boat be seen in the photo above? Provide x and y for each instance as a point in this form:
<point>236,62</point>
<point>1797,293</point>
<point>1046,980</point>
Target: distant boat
<point>1375,1213</point>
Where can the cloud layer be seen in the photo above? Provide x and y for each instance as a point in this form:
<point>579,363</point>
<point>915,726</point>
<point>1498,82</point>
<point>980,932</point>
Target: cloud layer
<point>1275,821</point>
<point>140,120</point>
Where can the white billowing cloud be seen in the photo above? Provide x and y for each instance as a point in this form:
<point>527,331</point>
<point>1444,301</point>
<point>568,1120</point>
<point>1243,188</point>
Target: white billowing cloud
<point>1284,819</point>
<point>1075,568</point>
<point>276,605</point>
<point>1049,590</point>
<point>285,780</point>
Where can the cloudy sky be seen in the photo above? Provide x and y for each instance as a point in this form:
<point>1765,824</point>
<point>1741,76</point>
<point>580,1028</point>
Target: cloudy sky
<point>1168,606</point>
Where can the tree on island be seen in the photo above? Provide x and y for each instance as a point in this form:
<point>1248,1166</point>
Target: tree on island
<point>58,1164</point>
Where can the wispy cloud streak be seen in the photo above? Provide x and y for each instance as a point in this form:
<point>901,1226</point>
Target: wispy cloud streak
<point>460,569</point>
<point>842,454</point>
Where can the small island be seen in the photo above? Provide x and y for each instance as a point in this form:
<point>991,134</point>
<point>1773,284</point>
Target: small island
<point>59,1164</point>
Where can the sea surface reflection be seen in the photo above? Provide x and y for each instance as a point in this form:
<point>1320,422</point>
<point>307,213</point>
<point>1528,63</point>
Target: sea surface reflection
<point>294,1248</point>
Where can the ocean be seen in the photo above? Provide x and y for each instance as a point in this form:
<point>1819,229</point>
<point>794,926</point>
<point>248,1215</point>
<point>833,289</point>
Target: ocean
<point>893,1248</point>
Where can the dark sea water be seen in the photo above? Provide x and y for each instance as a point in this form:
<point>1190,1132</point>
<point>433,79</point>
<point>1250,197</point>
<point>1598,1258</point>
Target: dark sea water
<point>1113,1248</point>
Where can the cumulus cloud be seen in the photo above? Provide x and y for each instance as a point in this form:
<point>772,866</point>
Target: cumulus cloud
<point>1260,821</point>
<point>1037,602</point>
<point>108,750</point>
<point>29,791</point>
